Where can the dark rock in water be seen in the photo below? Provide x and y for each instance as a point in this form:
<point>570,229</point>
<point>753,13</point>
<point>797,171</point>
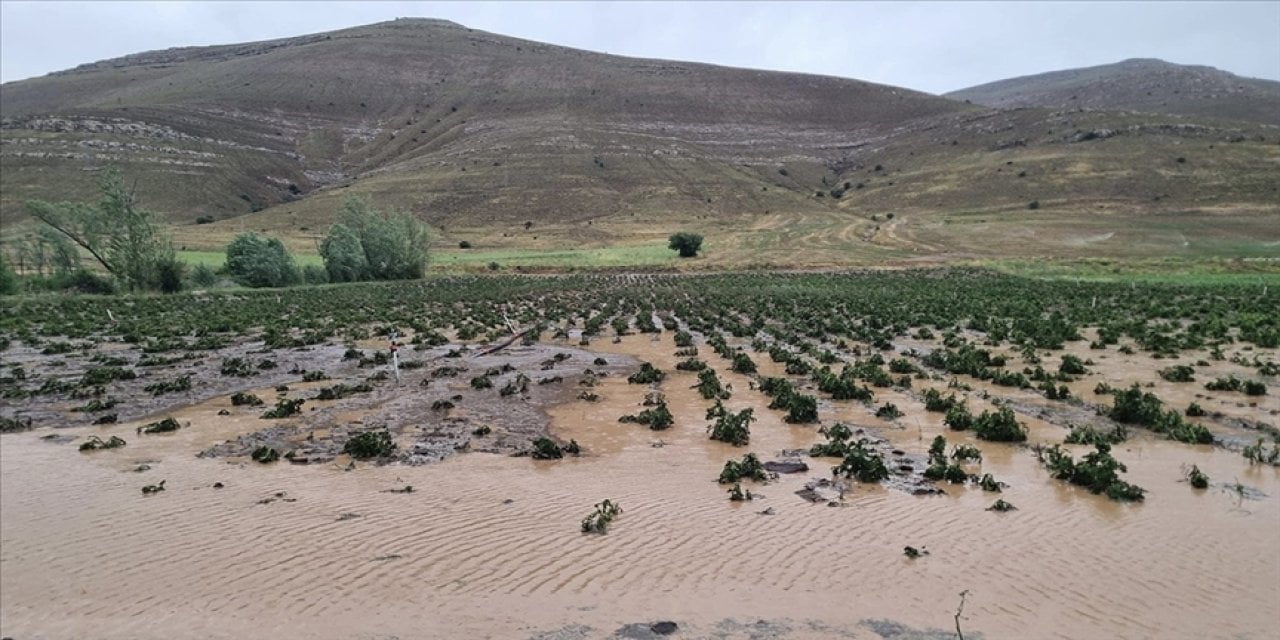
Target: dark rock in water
<point>810,495</point>
<point>786,466</point>
<point>644,631</point>
<point>224,412</point>
<point>927,491</point>
<point>664,628</point>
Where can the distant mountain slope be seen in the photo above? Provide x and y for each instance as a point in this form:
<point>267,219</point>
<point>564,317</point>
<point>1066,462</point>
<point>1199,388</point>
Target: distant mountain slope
<point>263,123</point>
<point>1139,84</point>
<point>518,146</point>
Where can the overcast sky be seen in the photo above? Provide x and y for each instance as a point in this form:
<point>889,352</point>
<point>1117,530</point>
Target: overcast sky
<point>934,47</point>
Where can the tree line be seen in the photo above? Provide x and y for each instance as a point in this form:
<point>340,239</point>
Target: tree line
<point>116,245</point>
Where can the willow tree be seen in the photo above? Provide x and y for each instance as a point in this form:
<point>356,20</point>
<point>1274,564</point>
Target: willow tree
<point>122,237</point>
<point>368,244</point>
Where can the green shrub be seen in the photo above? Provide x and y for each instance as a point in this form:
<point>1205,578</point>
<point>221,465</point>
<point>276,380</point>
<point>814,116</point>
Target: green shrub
<point>1089,435</point>
<point>1000,426</point>
<point>598,522</point>
<point>245,400</point>
<point>1098,472</point>
<point>646,375</point>
<point>164,426</point>
<point>284,408</point>
<point>1072,365</point>
<point>94,443</point>
<point>1178,373</point>
<point>958,417</point>
<point>862,463</point>
<point>265,454</point>
<point>734,428</point>
<point>370,444</point>
<point>749,467</point>
<point>837,444</point>
<point>657,418</point>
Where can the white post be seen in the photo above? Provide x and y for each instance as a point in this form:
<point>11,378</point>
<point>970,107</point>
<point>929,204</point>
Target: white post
<point>395,356</point>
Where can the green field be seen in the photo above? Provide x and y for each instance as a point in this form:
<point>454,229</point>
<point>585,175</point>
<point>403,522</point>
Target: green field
<point>619,256</point>
<point>470,259</point>
<point>1172,271</point>
<point>216,259</point>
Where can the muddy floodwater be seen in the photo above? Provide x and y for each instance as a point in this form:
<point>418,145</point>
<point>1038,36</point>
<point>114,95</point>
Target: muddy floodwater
<point>488,545</point>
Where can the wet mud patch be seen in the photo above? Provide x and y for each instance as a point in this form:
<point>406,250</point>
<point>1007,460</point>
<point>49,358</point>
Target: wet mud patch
<point>494,403</point>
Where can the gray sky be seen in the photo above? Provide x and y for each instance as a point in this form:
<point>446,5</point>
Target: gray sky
<point>929,46</point>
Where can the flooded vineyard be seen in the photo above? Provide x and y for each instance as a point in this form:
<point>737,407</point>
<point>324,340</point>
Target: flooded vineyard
<point>1079,460</point>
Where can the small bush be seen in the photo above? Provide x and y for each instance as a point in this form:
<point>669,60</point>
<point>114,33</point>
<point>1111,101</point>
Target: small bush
<point>598,522</point>
<point>1098,472</point>
<point>1001,426</point>
<point>265,454</point>
<point>164,426</point>
<point>370,444</point>
<point>749,467</point>
<point>734,428</point>
<point>283,409</point>
<point>862,463</point>
<point>94,443</point>
<point>646,375</point>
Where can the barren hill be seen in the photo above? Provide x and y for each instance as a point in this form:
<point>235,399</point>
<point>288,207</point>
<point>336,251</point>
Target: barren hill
<point>512,144</point>
<point>1138,84</point>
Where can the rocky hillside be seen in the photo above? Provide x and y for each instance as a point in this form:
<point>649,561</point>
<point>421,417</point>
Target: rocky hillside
<point>513,144</point>
<point>243,127</point>
<point>1148,85</point>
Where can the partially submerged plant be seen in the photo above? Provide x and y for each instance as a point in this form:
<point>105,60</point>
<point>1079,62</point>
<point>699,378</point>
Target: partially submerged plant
<point>1197,478</point>
<point>164,426</point>
<point>1098,472</point>
<point>646,375</point>
<point>245,400</point>
<point>862,463</point>
<point>966,452</point>
<point>749,467</point>
<point>738,494</point>
<point>283,409</point>
<point>1001,506</point>
<point>657,418</point>
<point>598,521</point>
<point>94,443</point>
<point>265,454</point>
<point>734,428</point>
<point>370,444</point>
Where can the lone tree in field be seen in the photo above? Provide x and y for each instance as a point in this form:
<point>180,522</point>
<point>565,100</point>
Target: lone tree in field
<point>688,244</point>
<point>367,244</point>
<point>123,238</point>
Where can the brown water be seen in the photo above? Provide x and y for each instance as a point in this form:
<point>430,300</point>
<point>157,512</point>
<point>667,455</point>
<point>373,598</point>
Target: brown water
<point>488,546</point>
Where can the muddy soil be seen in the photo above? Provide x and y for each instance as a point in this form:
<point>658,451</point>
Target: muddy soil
<point>489,545</point>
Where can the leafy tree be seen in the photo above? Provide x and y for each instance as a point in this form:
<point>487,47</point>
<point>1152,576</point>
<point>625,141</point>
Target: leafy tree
<point>368,244</point>
<point>122,237</point>
<point>203,276</point>
<point>688,244</point>
<point>261,261</point>
<point>8,279</point>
